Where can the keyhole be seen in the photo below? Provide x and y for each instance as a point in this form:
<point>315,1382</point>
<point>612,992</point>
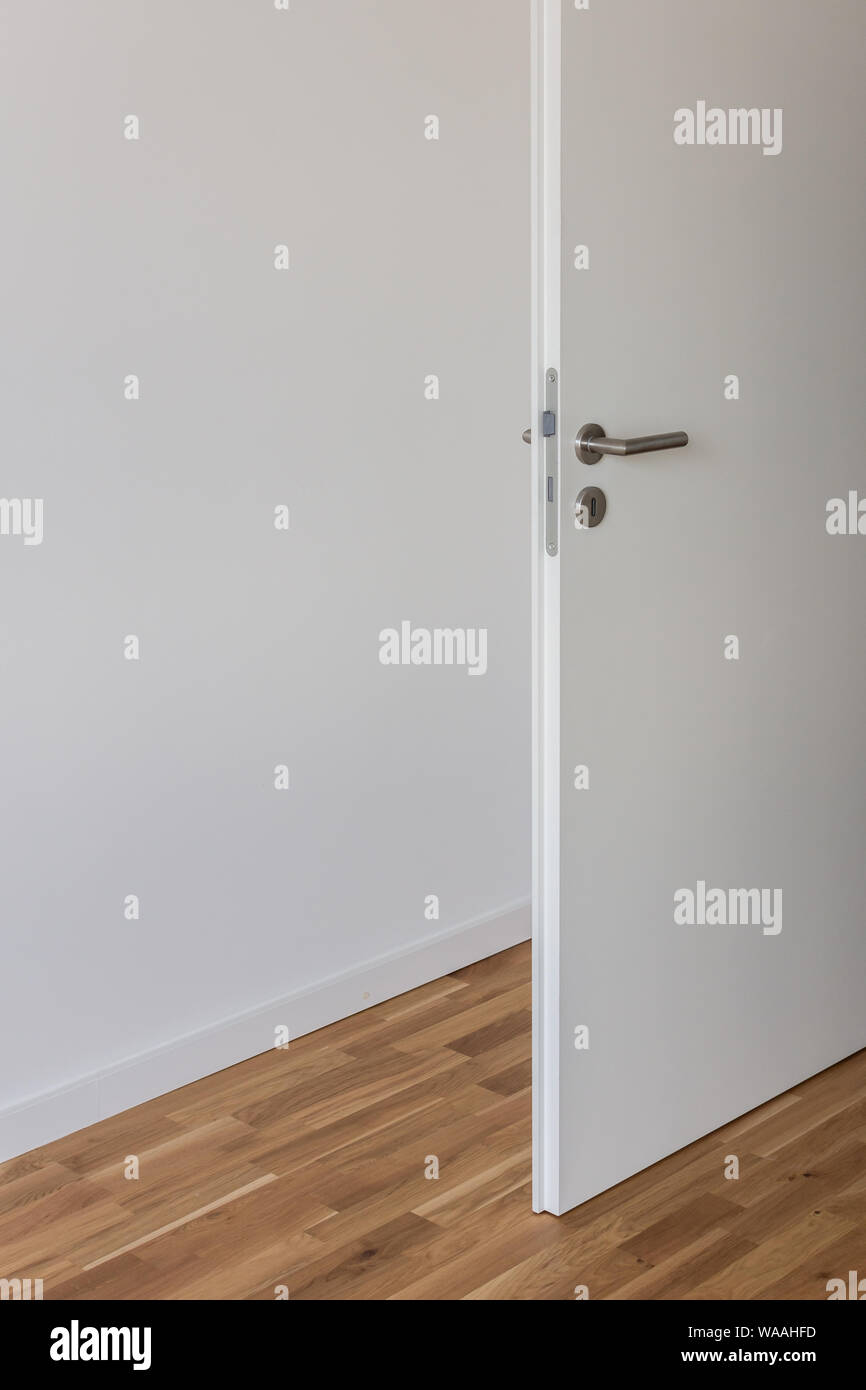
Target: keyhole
<point>590,508</point>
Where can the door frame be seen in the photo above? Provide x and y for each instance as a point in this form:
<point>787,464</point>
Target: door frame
<point>546,284</point>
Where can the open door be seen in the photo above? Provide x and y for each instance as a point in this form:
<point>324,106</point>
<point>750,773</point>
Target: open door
<point>700,658</point>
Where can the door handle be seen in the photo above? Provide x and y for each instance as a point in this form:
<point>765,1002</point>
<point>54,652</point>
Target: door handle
<point>592,444</point>
<point>527,436</point>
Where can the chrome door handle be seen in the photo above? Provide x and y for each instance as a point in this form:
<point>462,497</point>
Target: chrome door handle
<point>527,436</point>
<point>592,444</point>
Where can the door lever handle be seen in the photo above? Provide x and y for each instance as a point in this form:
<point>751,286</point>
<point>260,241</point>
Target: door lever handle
<point>592,444</point>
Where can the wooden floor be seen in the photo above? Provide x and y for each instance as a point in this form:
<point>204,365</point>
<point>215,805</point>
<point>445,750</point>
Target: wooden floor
<point>306,1169</point>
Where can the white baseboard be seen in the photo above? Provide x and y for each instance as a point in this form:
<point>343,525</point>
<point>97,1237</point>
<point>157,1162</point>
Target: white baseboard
<point>54,1114</point>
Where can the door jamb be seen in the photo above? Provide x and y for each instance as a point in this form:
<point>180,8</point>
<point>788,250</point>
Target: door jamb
<point>546,278</point>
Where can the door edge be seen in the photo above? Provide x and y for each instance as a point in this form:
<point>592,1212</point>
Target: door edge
<point>546,275</point>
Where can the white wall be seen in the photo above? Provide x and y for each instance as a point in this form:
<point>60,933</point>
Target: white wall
<point>258,387</point>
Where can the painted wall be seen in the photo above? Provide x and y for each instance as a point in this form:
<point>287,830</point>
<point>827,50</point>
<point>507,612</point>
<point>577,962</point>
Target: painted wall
<point>256,388</point>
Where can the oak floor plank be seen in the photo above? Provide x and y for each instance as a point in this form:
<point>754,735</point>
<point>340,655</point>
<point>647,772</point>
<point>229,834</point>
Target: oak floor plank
<point>833,1261</point>
<point>34,1186</point>
<point>466,1022</point>
<point>773,1258</point>
<point>664,1237</point>
<point>308,1171</point>
<point>400,1194</point>
<point>687,1267</point>
<point>559,1270</point>
<point>796,1194</point>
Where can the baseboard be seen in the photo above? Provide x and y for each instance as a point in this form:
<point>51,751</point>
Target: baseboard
<point>54,1114</point>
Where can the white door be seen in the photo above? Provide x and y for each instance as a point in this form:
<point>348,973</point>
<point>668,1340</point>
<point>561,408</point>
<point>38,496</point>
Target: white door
<point>700,653</point>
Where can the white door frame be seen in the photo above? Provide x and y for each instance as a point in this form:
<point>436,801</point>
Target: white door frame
<point>546,275</point>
